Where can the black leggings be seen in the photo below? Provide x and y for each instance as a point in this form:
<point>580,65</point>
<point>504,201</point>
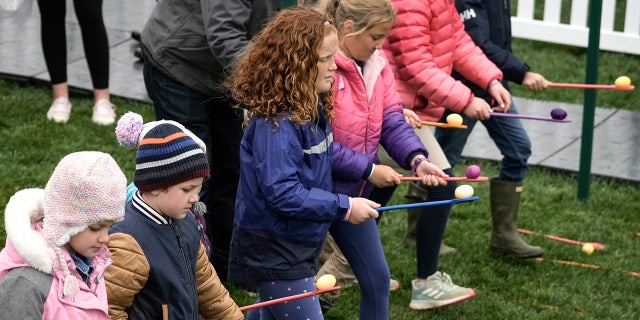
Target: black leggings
<point>94,39</point>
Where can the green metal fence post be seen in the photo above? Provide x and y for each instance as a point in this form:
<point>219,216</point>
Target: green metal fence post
<point>584,175</point>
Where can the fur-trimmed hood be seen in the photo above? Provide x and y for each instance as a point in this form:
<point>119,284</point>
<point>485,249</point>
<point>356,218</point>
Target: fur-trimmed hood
<point>23,222</point>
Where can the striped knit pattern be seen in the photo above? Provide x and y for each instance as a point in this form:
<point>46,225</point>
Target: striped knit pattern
<point>168,156</point>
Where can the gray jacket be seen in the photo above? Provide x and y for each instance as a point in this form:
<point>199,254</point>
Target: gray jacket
<point>194,41</point>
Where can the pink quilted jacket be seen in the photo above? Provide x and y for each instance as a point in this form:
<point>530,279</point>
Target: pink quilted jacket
<point>426,44</point>
<point>358,123</point>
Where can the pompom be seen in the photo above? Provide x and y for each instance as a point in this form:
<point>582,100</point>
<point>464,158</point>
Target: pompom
<point>70,285</point>
<point>128,129</point>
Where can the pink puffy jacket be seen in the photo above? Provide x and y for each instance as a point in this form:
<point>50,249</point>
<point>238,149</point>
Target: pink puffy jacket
<point>358,124</point>
<point>427,42</point>
<point>26,247</point>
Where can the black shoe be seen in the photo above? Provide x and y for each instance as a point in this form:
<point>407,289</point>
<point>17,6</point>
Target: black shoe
<point>135,35</point>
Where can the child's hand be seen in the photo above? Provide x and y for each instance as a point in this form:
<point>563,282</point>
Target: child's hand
<point>477,109</point>
<point>534,81</point>
<point>362,209</point>
<point>431,174</point>
<point>501,96</point>
<point>384,176</point>
<point>412,118</point>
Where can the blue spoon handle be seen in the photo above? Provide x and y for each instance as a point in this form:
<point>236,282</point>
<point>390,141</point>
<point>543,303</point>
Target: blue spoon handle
<point>426,204</point>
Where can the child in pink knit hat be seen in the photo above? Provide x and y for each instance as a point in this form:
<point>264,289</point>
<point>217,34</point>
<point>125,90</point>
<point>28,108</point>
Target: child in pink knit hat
<point>56,253</point>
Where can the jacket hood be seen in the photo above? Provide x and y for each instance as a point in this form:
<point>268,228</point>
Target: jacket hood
<point>22,218</point>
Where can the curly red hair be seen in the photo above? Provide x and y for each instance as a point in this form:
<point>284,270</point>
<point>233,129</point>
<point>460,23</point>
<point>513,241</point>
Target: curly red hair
<point>277,73</point>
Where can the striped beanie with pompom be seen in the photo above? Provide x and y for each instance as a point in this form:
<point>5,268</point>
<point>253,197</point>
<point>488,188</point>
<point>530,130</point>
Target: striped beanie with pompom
<point>168,153</point>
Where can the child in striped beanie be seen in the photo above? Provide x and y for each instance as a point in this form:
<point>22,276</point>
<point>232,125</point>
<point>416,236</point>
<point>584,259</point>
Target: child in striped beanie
<point>160,266</point>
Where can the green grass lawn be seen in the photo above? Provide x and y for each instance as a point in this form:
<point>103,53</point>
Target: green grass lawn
<point>506,289</point>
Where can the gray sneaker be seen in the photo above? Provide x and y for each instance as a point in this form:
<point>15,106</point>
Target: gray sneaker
<point>437,291</point>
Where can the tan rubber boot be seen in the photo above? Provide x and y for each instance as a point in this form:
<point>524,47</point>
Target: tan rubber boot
<point>505,239</point>
<point>416,194</point>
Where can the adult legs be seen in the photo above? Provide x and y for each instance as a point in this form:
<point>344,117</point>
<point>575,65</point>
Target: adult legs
<point>96,49</point>
<point>219,193</point>
<point>54,47</point>
<point>54,41</point>
<point>95,42</point>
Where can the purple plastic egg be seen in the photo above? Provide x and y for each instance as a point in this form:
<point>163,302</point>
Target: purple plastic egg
<point>558,113</point>
<point>473,171</point>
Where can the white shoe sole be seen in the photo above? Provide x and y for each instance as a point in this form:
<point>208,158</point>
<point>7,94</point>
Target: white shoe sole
<point>425,305</point>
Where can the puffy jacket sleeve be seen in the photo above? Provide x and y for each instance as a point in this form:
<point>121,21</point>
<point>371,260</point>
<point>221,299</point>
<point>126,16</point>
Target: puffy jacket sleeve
<point>214,301</point>
<point>420,54</point>
<point>470,61</point>
<point>398,138</point>
<point>478,26</point>
<point>348,164</point>
<point>126,276</point>
<point>410,44</point>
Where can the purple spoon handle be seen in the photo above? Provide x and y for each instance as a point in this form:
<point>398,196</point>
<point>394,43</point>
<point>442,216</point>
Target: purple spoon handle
<point>523,116</point>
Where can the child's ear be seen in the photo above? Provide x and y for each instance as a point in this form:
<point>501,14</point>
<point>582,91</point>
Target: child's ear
<point>348,26</point>
<point>158,191</point>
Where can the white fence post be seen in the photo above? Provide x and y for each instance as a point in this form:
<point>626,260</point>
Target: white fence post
<point>576,32</point>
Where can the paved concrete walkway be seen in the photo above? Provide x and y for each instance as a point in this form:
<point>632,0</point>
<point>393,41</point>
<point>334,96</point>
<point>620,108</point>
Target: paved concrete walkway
<point>616,142</point>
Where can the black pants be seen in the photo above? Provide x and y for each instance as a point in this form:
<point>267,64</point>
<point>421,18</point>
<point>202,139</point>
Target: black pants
<point>94,39</point>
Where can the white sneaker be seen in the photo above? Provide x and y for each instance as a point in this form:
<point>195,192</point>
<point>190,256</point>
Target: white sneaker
<point>394,285</point>
<point>104,113</point>
<point>437,291</point>
<point>60,110</point>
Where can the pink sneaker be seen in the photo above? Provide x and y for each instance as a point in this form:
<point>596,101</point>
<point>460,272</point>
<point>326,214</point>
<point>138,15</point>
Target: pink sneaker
<point>60,110</point>
<point>104,113</point>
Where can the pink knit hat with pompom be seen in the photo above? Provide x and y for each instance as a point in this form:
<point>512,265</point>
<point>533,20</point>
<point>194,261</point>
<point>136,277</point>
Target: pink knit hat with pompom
<point>85,188</point>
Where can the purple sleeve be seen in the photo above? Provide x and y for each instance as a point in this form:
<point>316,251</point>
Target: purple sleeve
<point>398,138</point>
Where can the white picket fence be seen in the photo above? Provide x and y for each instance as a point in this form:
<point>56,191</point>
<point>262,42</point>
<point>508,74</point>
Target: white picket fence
<point>576,32</point>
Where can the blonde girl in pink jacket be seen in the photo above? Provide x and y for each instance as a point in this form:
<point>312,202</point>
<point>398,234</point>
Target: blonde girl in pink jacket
<point>369,113</point>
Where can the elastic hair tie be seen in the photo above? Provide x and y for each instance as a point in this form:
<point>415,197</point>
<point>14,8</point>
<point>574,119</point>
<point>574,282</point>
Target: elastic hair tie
<point>326,23</point>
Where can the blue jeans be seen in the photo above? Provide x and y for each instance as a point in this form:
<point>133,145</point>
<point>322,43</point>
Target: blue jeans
<point>219,126</point>
<point>507,133</point>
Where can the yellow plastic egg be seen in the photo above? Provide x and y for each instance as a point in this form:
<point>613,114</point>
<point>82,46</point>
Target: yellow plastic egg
<point>588,248</point>
<point>325,282</point>
<point>454,119</point>
<point>623,82</point>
